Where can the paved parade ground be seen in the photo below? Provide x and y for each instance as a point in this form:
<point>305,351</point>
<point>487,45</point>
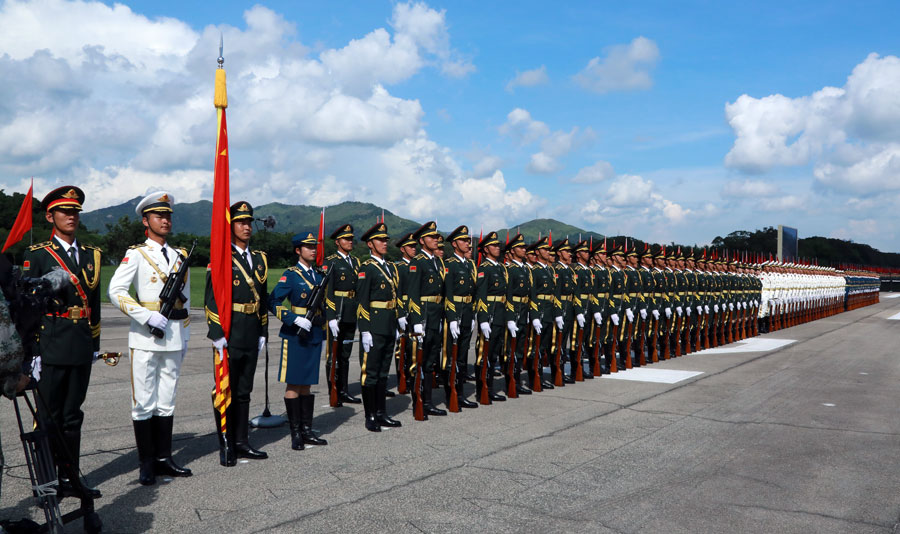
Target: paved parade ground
<point>794,431</point>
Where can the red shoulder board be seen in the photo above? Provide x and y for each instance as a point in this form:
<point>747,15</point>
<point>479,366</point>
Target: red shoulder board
<point>412,268</point>
<point>283,279</point>
<point>125,259</point>
<point>481,274</point>
<point>362,275</point>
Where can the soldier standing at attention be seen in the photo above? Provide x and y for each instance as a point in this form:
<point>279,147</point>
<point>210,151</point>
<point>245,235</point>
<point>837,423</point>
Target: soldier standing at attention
<point>565,294</point>
<point>520,300</point>
<point>459,310</point>
<point>69,339</point>
<point>407,246</point>
<point>249,332</point>
<point>301,339</point>
<point>379,317</point>
<point>425,289</point>
<point>491,292</point>
<point>340,310</point>
<point>155,362</point>
<point>583,302</point>
<point>545,309</point>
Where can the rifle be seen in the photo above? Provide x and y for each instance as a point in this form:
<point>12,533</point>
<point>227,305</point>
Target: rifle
<point>453,401</point>
<point>654,342</point>
<point>401,366</point>
<point>538,370</point>
<point>579,371</point>
<point>667,338</point>
<point>171,291</point>
<point>511,371</point>
<point>314,307</point>
<point>595,357</point>
<point>333,393</point>
<point>484,396</point>
<point>678,322</point>
<point>642,357</point>
<point>614,350</point>
<point>706,320</point>
<point>418,407</point>
<point>630,331</point>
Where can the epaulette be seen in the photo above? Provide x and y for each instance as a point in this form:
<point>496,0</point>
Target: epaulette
<point>332,257</point>
<point>92,247</point>
<point>453,259</point>
<point>183,251</point>
<point>39,246</point>
<point>260,252</point>
<point>139,245</point>
<point>420,256</point>
<point>369,261</point>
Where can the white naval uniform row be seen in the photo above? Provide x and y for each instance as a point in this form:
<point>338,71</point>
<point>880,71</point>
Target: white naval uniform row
<point>155,362</point>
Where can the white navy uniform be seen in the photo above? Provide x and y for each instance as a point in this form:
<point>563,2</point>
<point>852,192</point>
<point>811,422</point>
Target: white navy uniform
<point>155,362</point>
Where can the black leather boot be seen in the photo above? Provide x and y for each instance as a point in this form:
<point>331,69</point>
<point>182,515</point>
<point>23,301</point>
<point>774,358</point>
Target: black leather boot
<point>427,404</point>
<point>292,407</point>
<point>493,396</point>
<point>343,371</point>
<point>227,455</point>
<point>461,392</point>
<point>240,421</point>
<point>368,399</point>
<point>70,483</point>
<point>162,434</point>
<point>381,415</point>
<point>306,415</point>
<point>143,436</point>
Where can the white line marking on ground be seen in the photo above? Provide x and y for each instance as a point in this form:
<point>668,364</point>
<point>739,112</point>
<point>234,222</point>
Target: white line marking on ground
<point>895,317</point>
<point>660,376</point>
<point>891,296</point>
<point>827,404</point>
<point>756,344</point>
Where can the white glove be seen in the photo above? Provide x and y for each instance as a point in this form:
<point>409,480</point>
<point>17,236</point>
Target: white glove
<point>744,304</point>
<point>419,329</point>
<point>536,323</point>
<point>731,306</point>
<point>96,357</point>
<point>668,313</point>
<point>399,334</point>
<point>707,308</point>
<point>615,319</point>
<point>333,326</point>
<point>454,329</point>
<point>303,323</point>
<point>580,319</point>
<point>220,344</point>
<point>629,314</point>
<point>262,343</point>
<point>511,326</point>
<point>473,325</point>
<point>36,368</point>
<point>401,322</point>
<point>756,303</point>
<point>656,314</point>
<point>643,313</point>
<point>598,318</point>
<point>699,309</point>
<point>485,329</point>
<point>366,338</point>
<point>716,308</point>
<point>688,311</point>
<point>157,320</point>
<point>559,322</point>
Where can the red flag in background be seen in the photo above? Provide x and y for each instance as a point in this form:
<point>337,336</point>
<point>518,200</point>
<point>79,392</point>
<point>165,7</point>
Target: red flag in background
<point>220,248</point>
<point>480,235</point>
<point>23,220</point>
<point>320,247</point>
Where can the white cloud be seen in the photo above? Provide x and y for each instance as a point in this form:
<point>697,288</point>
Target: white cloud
<point>522,127</point>
<point>625,68</point>
<point>598,172</point>
<point>850,135</point>
<point>529,78</point>
<point>749,189</point>
<point>856,229</point>
<point>631,196</point>
<point>555,146</point>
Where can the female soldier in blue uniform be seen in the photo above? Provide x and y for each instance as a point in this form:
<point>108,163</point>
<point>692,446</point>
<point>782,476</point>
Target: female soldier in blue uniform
<point>301,339</point>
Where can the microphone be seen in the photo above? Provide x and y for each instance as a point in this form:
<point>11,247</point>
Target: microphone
<point>56,280</point>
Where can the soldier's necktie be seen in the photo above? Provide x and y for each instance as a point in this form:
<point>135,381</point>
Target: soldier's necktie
<point>73,255</point>
<point>247,257</point>
<point>165,255</point>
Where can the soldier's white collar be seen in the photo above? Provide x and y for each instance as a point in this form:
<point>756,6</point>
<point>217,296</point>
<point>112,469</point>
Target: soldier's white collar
<point>65,246</point>
<point>519,263</point>
<point>342,255</point>
<point>240,250</point>
<point>427,255</point>
<point>459,257</point>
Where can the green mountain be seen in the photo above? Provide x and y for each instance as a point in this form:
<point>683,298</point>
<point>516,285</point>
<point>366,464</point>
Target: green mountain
<point>530,230</point>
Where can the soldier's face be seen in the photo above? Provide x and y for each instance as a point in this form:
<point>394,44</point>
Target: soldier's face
<point>518,253</point>
<point>344,244</point>
<point>242,229</point>
<point>307,253</point>
<point>158,223</point>
<point>583,256</point>
<point>429,243</point>
<point>64,221</point>
<point>543,254</point>
<point>462,246</point>
<point>493,251</point>
<point>409,251</point>
<point>379,246</point>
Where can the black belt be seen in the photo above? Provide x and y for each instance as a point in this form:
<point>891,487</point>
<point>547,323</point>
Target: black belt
<point>178,315</point>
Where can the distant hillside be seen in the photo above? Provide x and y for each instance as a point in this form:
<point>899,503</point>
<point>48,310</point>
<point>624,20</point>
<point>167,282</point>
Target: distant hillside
<point>191,218</point>
<point>540,227</point>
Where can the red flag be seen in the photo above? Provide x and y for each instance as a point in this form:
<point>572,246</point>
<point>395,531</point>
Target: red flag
<point>550,238</point>
<point>220,248</point>
<point>23,220</point>
<point>480,234</point>
<point>507,236</point>
<point>320,247</point>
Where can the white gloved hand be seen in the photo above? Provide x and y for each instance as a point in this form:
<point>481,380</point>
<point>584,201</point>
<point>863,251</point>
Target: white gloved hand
<point>598,318</point>
<point>303,323</point>
<point>220,344</point>
<point>706,307</point>
<point>559,322</point>
<point>656,314</point>
<point>511,326</point>
<point>262,343</point>
<point>36,368</point>
<point>454,329</point>
<point>398,336</point>
<point>699,309</point>
<point>629,314</point>
<point>744,304</point>
<point>731,306</point>
<point>401,322</point>
<point>668,313</point>
<point>615,319</point>
<point>333,326</point>
<point>643,313</point>
<point>157,320</point>
<point>580,319</point>
<point>366,338</point>
<point>536,323</point>
<point>96,357</point>
<point>688,311</point>
<point>473,325</point>
<point>485,329</point>
<point>419,329</point>
<point>716,308</point>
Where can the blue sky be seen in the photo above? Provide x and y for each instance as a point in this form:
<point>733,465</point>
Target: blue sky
<point>666,121</point>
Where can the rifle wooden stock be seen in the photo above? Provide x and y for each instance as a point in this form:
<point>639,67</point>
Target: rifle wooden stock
<point>629,333</point>
<point>579,369</point>
<point>333,393</point>
<point>536,361</point>
<point>614,350</point>
<point>511,371</point>
<point>484,395</point>
<point>418,406</point>
<point>453,401</point>
<point>642,343</point>
<point>678,322</point>
<point>596,368</point>
<point>558,379</point>
<point>401,367</point>
<point>654,342</point>
<point>706,321</point>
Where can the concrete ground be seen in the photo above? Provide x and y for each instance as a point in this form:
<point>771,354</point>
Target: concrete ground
<point>795,432</point>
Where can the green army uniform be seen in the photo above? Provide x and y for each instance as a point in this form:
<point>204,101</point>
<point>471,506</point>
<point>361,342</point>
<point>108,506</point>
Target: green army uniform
<point>340,307</point>
<point>618,302</point>
<point>425,312</point>
<point>600,335</point>
<point>644,317</point>
<point>678,284</point>
<point>583,304</point>
<point>520,282</point>
<point>565,294</point>
<point>633,302</point>
<point>491,294</point>
<point>459,308</point>
<point>377,316</point>
<point>69,337</point>
<point>661,301</point>
<point>544,308</point>
<point>249,325</point>
<point>690,303</point>
<point>402,267</point>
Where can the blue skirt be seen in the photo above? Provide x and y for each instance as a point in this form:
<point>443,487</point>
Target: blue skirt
<point>299,362</point>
